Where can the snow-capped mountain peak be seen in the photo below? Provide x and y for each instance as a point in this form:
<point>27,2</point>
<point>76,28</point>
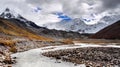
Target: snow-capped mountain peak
<point>8,14</point>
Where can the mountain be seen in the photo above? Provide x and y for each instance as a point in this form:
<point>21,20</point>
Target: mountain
<point>110,32</point>
<point>19,23</point>
<point>7,14</point>
<point>9,28</point>
<point>14,24</point>
<point>78,25</point>
<point>11,15</point>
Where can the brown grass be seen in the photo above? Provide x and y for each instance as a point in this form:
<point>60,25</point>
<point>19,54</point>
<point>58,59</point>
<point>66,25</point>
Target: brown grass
<point>67,41</point>
<point>7,42</point>
<point>13,49</point>
<point>97,41</point>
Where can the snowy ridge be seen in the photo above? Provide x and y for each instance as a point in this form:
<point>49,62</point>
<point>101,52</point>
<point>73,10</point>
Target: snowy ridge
<point>78,25</point>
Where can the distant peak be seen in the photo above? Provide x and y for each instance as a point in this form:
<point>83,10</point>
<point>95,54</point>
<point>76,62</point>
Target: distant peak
<point>8,14</point>
<point>7,9</point>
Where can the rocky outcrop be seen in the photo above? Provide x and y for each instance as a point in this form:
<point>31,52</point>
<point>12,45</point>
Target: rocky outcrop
<point>5,59</point>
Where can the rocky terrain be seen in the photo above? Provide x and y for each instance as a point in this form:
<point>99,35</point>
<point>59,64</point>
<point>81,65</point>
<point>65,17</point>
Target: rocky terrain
<point>20,46</point>
<point>91,56</point>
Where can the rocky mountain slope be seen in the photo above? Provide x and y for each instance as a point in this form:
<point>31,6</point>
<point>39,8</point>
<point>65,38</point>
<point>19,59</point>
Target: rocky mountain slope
<point>110,32</point>
<point>9,28</point>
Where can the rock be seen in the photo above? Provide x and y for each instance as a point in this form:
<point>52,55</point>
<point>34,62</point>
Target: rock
<point>91,56</point>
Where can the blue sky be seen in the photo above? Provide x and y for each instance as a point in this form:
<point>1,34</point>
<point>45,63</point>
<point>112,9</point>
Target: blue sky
<point>60,15</point>
<point>37,9</point>
<point>63,16</point>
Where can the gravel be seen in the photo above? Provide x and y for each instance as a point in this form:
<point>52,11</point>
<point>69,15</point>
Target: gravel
<point>101,56</point>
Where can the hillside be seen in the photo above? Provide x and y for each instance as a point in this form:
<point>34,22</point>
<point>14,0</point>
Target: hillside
<point>110,32</point>
<point>9,28</point>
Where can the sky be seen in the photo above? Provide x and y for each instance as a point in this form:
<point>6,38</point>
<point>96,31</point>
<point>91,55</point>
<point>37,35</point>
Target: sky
<point>52,11</point>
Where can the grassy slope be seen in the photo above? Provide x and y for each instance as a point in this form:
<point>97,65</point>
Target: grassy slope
<point>11,29</point>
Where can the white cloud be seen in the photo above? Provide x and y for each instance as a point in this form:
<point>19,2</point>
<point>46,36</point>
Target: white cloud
<point>56,7</point>
<point>72,8</point>
<point>42,18</point>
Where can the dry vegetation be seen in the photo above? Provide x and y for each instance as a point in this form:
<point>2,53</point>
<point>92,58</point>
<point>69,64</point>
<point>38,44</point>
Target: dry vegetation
<point>9,45</point>
<point>67,41</point>
<point>98,41</point>
<point>7,42</point>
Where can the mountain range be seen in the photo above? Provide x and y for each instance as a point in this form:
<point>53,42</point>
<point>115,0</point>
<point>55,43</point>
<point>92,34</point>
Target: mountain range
<point>19,34</point>
<point>14,24</point>
<point>78,25</point>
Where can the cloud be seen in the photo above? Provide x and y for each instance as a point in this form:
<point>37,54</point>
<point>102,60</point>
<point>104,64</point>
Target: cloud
<point>111,3</point>
<point>28,10</point>
<point>84,9</point>
<point>42,18</point>
<point>78,8</point>
<point>73,9</point>
<point>47,5</point>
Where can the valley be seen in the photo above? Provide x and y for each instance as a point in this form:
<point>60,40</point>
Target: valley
<point>23,43</point>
